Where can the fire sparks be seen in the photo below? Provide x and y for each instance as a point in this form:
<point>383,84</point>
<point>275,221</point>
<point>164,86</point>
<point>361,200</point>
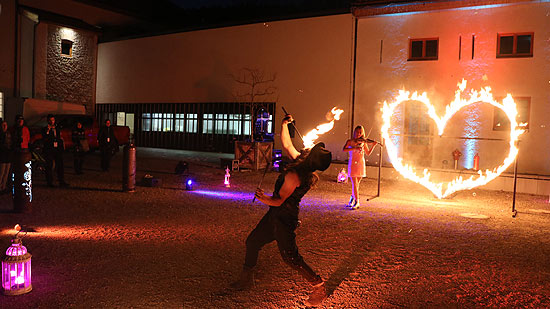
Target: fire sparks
<point>310,138</point>
<point>484,95</point>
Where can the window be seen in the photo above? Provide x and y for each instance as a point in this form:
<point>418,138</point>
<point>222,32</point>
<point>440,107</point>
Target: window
<point>247,125</point>
<point>514,45</point>
<point>501,122</point>
<point>146,122</point>
<point>423,49</point>
<point>208,123</point>
<point>162,122</point>
<point>234,124</point>
<point>221,123</point>
<point>179,123</point>
<point>120,118</point>
<point>417,124</point>
<point>191,123</point>
<point>66,48</point>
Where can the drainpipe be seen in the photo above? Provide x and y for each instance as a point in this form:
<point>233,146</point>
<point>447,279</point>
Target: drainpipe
<point>16,49</point>
<point>353,75</point>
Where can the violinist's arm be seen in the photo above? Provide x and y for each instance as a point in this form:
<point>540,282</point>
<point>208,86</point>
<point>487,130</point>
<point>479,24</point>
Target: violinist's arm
<point>366,148</point>
<point>348,146</point>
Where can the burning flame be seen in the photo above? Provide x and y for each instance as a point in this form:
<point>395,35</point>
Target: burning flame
<point>442,190</point>
<point>311,136</point>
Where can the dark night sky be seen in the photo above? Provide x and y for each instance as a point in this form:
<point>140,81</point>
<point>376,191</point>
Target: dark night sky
<point>166,16</point>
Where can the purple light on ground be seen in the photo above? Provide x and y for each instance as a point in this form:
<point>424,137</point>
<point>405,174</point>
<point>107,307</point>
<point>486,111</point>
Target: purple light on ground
<point>225,195</point>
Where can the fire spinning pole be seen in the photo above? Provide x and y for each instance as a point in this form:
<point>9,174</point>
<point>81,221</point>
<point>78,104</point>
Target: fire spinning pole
<point>379,169</point>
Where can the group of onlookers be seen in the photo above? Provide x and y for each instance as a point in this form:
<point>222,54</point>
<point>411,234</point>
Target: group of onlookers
<point>14,143</point>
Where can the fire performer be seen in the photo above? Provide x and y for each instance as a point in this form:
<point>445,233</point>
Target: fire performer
<point>357,147</point>
<point>281,221</point>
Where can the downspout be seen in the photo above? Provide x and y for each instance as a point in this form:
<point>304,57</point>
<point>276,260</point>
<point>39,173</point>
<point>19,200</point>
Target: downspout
<point>16,49</point>
<point>353,75</point>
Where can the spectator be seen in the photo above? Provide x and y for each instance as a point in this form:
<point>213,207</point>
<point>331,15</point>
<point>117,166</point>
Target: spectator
<point>108,144</point>
<point>53,152</point>
<point>80,147</point>
<point>5,156</point>
<point>20,135</point>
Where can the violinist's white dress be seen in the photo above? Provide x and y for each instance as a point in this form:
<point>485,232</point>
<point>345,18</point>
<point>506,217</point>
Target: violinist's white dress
<point>356,164</point>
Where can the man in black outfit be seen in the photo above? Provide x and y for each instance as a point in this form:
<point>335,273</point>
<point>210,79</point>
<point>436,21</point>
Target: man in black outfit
<point>53,152</point>
<point>280,222</point>
<point>108,144</point>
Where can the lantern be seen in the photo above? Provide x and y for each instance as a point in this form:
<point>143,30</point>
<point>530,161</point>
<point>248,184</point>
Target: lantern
<point>226,180</point>
<point>16,269</point>
<point>189,184</point>
<point>342,176</point>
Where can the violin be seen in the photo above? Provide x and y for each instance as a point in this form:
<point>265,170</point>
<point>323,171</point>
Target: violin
<point>366,140</point>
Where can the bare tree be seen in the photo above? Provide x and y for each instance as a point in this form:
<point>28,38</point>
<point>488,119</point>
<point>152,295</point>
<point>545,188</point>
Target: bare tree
<point>254,84</point>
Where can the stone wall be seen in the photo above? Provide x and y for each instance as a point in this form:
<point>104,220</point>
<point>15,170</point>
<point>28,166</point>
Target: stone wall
<point>71,78</point>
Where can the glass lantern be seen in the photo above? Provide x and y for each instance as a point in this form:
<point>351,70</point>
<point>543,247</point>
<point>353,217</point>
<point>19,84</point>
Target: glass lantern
<point>16,269</point>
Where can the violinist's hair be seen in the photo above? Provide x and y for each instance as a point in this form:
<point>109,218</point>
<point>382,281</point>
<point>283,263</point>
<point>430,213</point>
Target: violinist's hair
<point>357,128</point>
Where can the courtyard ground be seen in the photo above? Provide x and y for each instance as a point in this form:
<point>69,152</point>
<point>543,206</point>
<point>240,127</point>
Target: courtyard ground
<point>94,246</point>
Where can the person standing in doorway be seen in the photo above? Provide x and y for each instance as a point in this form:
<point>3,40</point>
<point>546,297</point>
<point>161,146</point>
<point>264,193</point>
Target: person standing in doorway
<point>108,145</point>
<point>5,156</point>
<point>80,148</point>
<point>357,147</point>
<point>53,152</point>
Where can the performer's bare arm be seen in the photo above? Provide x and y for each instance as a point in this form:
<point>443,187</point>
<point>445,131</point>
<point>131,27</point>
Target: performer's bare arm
<point>290,183</point>
<point>285,139</point>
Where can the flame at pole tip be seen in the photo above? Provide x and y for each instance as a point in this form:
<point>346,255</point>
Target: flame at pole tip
<point>311,136</point>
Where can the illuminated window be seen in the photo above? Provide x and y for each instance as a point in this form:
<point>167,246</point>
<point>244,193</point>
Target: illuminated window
<point>501,122</point>
<point>234,124</point>
<point>221,123</point>
<point>423,49</point>
<point>179,125</point>
<point>146,122</point>
<point>120,118</point>
<point>191,123</point>
<point>208,123</point>
<point>515,45</point>
<point>162,122</point>
<point>417,126</point>
<point>247,125</point>
<point>66,48</point>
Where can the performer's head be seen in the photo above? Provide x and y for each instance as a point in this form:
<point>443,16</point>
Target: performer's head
<point>358,132</point>
<point>309,161</point>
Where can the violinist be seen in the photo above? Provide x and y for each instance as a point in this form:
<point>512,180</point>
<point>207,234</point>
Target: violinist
<point>357,147</point>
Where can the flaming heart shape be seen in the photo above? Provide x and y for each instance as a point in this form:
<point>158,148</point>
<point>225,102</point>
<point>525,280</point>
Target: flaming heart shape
<point>444,189</point>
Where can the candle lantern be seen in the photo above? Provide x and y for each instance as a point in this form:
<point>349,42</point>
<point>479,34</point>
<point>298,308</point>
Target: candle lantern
<point>342,176</point>
<point>16,269</point>
<point>226,180</point>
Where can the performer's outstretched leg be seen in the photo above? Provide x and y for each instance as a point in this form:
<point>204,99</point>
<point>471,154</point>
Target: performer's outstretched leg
<point>259,237</point>
<point>286,241</point>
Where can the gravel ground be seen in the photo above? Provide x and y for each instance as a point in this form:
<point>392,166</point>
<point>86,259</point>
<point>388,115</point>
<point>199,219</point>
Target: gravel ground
<point>97,247</point>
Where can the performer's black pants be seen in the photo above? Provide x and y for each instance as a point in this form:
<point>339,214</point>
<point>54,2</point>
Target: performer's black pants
<point>279,227</point>
<point>57,157</point>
